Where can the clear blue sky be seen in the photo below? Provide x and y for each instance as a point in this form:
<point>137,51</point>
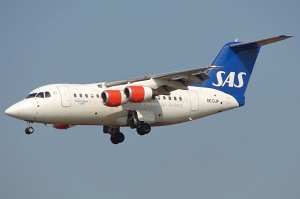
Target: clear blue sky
<point>250,152</point>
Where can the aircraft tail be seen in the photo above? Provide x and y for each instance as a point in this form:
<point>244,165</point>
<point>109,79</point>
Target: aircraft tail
<point>236,61</point>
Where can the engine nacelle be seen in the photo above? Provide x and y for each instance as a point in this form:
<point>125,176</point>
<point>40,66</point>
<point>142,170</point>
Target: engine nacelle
<point>61,126</point>
<point>112,98</point>
<point>138,94</point>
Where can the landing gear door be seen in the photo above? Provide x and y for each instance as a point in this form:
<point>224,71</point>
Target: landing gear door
<point>65,96</point>
<point>146,116</point>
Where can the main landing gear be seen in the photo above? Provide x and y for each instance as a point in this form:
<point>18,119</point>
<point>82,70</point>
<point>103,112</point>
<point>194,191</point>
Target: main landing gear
<point>29,130</point>
<point>116,136</point>
<point>142,128</point>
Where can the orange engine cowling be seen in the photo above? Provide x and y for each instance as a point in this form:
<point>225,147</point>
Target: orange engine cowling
<point>112,98</point>
<point>61,126</point>
<point>138,94</point>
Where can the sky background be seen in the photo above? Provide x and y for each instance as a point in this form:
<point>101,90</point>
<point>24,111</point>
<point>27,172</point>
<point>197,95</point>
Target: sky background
<point>249,152</point>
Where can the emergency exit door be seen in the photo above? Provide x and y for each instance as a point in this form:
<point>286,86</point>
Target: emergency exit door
<point>194,101</point>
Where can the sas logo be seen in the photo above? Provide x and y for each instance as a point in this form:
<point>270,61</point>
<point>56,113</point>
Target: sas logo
<point>230,79</point>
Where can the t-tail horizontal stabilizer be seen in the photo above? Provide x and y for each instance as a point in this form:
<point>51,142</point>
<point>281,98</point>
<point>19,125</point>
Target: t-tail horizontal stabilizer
<point>261,42</point>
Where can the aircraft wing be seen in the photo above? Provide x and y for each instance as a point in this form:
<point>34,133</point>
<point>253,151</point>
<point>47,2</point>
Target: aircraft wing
<point>193,76</point>
<point>169,81</point>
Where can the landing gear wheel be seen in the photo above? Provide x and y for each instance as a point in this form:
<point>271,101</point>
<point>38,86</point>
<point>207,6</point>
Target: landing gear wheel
<point>117,138</point>
<point>29,130</point>
<point>143,129</point>
<point>140,131</point>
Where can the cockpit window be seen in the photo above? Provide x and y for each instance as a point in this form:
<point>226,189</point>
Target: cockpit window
<point>47,94</point>
<point>40,95</point>
<point>31,95</point>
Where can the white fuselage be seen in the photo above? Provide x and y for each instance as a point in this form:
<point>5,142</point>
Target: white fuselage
<point>81,104</point>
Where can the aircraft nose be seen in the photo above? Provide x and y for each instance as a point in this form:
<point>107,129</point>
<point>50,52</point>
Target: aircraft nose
<point>23,110</point>
<point>12,111</point>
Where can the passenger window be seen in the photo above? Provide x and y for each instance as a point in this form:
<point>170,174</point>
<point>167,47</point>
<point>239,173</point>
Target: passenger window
<point>47,94</point>
<point>175,98</point>
<point>75,95</point>
<point>170,98</point>
<point>158,97</point>
<point>180,98</point>
<point>92,95</point>
<point>80,95</point>
<point>97,96</point>
<point>40,95</point>
<point>164,97</point>
<point>86,95</point>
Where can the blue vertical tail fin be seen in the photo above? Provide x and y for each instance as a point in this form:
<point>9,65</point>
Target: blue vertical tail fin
<point>236,61</point>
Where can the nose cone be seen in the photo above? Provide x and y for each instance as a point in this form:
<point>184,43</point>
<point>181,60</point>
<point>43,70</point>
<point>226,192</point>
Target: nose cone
<point>23,110</point>
<point>12,111</point>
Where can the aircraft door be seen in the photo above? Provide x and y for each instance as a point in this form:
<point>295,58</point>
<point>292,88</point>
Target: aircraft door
<point>194,101</point>
<point>65,96</point>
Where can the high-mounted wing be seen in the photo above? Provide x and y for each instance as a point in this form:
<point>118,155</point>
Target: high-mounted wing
<point>187,77</point>
<point>170,81</point>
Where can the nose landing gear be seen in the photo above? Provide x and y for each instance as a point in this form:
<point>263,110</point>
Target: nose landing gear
<point>29,130</point>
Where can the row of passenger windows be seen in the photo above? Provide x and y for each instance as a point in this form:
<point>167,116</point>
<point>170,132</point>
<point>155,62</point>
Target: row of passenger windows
<point>158,97</point>
<point>169,97</point>
<point>86,95</point>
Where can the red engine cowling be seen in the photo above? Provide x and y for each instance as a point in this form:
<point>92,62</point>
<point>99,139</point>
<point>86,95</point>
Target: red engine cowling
<point>137,94</point>
<point>112,98</point>
<point>61,126</point>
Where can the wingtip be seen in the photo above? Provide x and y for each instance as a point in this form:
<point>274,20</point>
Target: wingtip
<point>286,36</point>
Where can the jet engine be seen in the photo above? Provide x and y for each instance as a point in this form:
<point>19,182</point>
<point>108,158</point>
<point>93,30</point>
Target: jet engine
<point>61,126</point>
<point>112,98</point>
<point>137,94</point>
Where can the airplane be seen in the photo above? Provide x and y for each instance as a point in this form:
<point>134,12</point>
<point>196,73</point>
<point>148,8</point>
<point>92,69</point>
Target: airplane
<point>146,102</point>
